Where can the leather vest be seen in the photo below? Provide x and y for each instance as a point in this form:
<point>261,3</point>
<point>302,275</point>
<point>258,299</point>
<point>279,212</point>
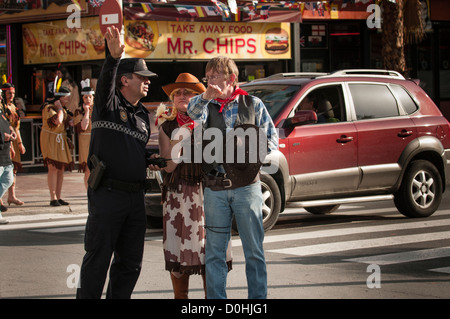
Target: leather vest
<point>246,115</point>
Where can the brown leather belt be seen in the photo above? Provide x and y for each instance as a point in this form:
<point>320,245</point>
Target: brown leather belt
<point>220,183</point>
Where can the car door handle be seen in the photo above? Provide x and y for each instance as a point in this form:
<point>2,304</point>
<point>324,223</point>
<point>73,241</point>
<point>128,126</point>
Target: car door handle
<point>404,133</point>
<point>344,139</point>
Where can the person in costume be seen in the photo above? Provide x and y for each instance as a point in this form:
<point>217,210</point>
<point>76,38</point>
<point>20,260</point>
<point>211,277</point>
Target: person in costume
<point>229,191</point>
<point>7,135</point>
<point>11,112</point>
<point>83,125</point>
<point>182,192</point>
<point>54,142</point>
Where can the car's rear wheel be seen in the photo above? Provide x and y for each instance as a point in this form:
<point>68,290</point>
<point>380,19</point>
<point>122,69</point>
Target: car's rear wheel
<point>420,193</point>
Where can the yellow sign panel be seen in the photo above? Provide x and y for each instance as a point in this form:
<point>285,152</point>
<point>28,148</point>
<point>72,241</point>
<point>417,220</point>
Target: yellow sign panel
<point>200,40</point>
<point>53,41</point>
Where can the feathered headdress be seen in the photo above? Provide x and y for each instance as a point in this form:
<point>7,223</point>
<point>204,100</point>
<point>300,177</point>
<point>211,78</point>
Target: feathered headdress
<point>86,88</point>
<point>58,89</point>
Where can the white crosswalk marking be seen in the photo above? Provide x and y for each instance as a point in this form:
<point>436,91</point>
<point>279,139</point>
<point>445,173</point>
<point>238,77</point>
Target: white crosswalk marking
<point>348,231</point>
<point>382,237</point>
<point>361,244</point>
<point>60,229</point>
<point>39,226</point>
<point>443,269</point>
<point>403,257</point>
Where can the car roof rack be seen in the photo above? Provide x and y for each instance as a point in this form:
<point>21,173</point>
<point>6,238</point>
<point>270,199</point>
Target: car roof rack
<point>368,72</point>
<point>287,75</point>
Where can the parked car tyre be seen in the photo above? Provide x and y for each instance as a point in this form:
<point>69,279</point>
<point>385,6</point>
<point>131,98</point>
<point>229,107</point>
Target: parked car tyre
<point>420,193</point>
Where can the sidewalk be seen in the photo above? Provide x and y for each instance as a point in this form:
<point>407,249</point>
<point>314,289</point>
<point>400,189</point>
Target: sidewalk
<point>32,189</point>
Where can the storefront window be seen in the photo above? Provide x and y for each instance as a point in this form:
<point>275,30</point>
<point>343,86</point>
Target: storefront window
<point>345,46</point>
<point>376,59</point>
<point>444,62</point>
<point>3,56</point>
<point>314,47</point>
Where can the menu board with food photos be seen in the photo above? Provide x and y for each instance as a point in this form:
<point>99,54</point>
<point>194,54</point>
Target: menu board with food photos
<point>203,40</point>
<point>54,41</point>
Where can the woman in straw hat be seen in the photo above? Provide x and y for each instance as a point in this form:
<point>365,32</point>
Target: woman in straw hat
<point>184,233</point>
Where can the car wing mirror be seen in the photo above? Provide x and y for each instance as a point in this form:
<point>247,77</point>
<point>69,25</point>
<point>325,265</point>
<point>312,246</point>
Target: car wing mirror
<point>301,117</point>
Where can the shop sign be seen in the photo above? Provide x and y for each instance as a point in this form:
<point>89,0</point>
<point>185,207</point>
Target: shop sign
<point>54,41</point>
<point>204,40</point>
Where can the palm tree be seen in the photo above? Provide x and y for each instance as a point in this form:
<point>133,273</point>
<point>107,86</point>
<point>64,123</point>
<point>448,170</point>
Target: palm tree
<point>402,24</point>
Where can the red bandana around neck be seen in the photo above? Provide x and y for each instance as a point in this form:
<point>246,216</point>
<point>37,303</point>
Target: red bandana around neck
<point>183,118</point>
<point>224,102</point>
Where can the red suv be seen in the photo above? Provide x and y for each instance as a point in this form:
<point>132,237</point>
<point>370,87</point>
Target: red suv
<point>350,136</point>
<point>353,136</point>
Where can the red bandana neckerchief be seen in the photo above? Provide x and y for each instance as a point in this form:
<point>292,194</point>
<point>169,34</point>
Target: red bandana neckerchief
<point>224,102</point>
<point>183,118</point>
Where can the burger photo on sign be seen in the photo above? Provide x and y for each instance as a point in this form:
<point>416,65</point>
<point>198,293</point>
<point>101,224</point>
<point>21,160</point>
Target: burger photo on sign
<point>140,40</point>
<point>277,41</point>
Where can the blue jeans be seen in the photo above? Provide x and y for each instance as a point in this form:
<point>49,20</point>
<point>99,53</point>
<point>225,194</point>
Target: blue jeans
<point>6,178</point>
<point>246,205</point>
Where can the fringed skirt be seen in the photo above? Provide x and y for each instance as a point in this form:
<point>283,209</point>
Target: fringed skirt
<point>183,229</point>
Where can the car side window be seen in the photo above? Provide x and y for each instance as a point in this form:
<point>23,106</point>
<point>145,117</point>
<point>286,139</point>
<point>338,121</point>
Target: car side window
<point>327,102</point>
<point>405,99</point>
<point>373,101</point>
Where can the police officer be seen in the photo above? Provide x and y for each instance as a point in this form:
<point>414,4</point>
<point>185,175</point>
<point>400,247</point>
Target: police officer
<point>117,221</point>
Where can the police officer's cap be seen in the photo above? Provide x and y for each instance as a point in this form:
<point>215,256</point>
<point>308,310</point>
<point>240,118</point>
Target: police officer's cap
<point>134,65</point>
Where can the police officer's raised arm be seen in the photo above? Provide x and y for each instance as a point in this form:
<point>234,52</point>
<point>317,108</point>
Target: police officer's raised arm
<point>114,41</point>
<point>106,82</point>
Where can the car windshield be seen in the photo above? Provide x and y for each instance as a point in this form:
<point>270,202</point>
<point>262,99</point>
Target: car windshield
<point>273,96</point>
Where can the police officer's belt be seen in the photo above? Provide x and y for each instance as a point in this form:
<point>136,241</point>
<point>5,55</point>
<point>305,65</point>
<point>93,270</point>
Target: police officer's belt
<point>131,187</point>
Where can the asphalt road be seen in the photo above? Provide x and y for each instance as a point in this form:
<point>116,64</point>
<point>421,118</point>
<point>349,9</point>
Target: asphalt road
<point>366,251</point>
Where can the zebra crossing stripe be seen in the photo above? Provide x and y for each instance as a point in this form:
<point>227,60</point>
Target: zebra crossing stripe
<point>60,229</point>
<point>349,231</point>
<point>361,244</point>
<point>445,270</point>
<point>403,257</point>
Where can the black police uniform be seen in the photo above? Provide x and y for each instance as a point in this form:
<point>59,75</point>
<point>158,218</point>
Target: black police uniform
<point>117,221</point>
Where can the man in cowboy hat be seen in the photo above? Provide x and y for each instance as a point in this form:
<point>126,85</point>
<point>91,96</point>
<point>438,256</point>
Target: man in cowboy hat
<point>225,106</point>
<point>120,131</point>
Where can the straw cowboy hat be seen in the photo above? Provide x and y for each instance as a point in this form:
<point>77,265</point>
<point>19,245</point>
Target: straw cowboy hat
<point>185,80</point>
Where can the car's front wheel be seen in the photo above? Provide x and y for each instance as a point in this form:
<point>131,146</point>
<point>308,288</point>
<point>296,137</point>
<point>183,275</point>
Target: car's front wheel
<point>271,201</point>
<point>420,193</point>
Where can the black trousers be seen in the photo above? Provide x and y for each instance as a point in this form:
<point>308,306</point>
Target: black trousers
<point>116,225</point>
